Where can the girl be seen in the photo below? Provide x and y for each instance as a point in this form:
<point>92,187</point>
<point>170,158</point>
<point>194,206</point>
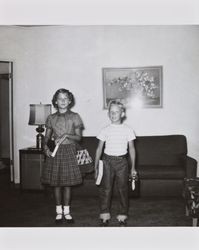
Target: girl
<point>62,172</point>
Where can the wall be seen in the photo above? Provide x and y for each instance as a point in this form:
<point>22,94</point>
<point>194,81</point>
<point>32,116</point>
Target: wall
<point>47,58</point>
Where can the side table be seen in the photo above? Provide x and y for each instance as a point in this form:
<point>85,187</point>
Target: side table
<point>32,161</point>
<point>191,196</point>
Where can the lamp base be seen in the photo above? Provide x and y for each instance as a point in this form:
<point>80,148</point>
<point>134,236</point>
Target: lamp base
<point>40,137</point>
<point>39,141</point>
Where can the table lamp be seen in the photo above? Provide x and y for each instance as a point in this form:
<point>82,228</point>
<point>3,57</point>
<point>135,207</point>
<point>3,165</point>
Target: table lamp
<point>38,115</point>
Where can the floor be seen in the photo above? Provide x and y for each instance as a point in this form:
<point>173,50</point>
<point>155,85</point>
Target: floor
<point>36,209</point>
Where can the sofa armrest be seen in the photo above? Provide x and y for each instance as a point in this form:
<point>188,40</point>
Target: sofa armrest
<point>190,167</point>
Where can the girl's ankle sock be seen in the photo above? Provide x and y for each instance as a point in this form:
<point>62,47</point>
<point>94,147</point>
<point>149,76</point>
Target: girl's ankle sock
<point>67,213</point>
<point>66,209</point>
<point>59,209</point>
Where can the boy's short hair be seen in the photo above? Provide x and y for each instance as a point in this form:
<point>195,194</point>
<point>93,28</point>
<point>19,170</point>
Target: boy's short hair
<point>118,103</point>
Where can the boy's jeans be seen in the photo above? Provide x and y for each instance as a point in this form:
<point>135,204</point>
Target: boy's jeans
<point>115,168</point>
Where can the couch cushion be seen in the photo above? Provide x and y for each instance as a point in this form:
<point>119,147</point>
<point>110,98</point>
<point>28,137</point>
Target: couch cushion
<point>160,172</point>
<point>160,150</point>
<point>90,143</point>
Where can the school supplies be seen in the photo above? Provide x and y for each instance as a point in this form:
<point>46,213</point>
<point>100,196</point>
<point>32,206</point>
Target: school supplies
<point>133,183</point>
<point>100,173</point>
<point>57,146</point>
<point>55,150</point>
<point>134,186</point>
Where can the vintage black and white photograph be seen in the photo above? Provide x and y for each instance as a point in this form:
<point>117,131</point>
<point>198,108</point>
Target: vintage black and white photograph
<point>99,131</point>
<point>55,133</point>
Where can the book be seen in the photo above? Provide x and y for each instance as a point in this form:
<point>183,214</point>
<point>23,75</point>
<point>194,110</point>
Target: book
<point>57,145</point>
<point>100,173</point>
<point>55,150</point>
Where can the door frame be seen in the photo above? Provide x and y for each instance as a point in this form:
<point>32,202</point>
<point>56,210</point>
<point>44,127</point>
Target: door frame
<point>11,121</point>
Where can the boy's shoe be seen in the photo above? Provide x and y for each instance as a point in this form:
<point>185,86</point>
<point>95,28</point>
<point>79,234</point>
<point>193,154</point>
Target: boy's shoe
<point>122,220</point>
<point>59,218</point>
<point>104,223</point>
<point>122,223</point>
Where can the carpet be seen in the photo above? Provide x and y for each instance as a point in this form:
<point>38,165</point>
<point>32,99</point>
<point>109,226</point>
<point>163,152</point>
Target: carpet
<point>36,209</point>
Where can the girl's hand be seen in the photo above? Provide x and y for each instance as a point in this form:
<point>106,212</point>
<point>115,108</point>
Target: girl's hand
<point>59,140</point>
<point>48,153</point>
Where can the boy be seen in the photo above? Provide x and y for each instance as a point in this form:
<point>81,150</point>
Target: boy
<point>117,138</point>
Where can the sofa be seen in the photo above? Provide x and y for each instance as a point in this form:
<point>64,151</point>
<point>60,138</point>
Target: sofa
<point>161,161</point>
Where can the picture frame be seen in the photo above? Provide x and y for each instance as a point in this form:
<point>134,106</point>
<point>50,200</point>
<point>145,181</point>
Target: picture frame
<point>134,87</point>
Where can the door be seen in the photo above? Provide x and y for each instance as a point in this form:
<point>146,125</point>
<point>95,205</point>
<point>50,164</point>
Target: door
<point>6,117</point>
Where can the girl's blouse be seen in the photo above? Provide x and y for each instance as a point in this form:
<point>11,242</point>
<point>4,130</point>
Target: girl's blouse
<point>61,123</point>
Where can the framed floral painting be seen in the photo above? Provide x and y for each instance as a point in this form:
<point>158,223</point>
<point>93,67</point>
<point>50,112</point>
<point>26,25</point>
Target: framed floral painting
<point>141,86</point>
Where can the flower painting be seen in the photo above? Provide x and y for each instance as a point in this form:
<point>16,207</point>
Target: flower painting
<point>140,86</point>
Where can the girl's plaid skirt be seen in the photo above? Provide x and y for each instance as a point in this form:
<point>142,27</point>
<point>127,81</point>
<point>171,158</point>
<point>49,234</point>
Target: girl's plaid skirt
<point>62,170</point>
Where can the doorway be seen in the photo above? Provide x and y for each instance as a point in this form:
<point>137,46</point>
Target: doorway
<point>6,118</point>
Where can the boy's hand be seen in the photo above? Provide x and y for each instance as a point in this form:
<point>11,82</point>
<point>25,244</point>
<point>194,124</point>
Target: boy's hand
<point>133,173</point>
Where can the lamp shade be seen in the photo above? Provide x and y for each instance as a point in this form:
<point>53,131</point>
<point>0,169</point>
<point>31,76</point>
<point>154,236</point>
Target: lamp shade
<point>39,113</point>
